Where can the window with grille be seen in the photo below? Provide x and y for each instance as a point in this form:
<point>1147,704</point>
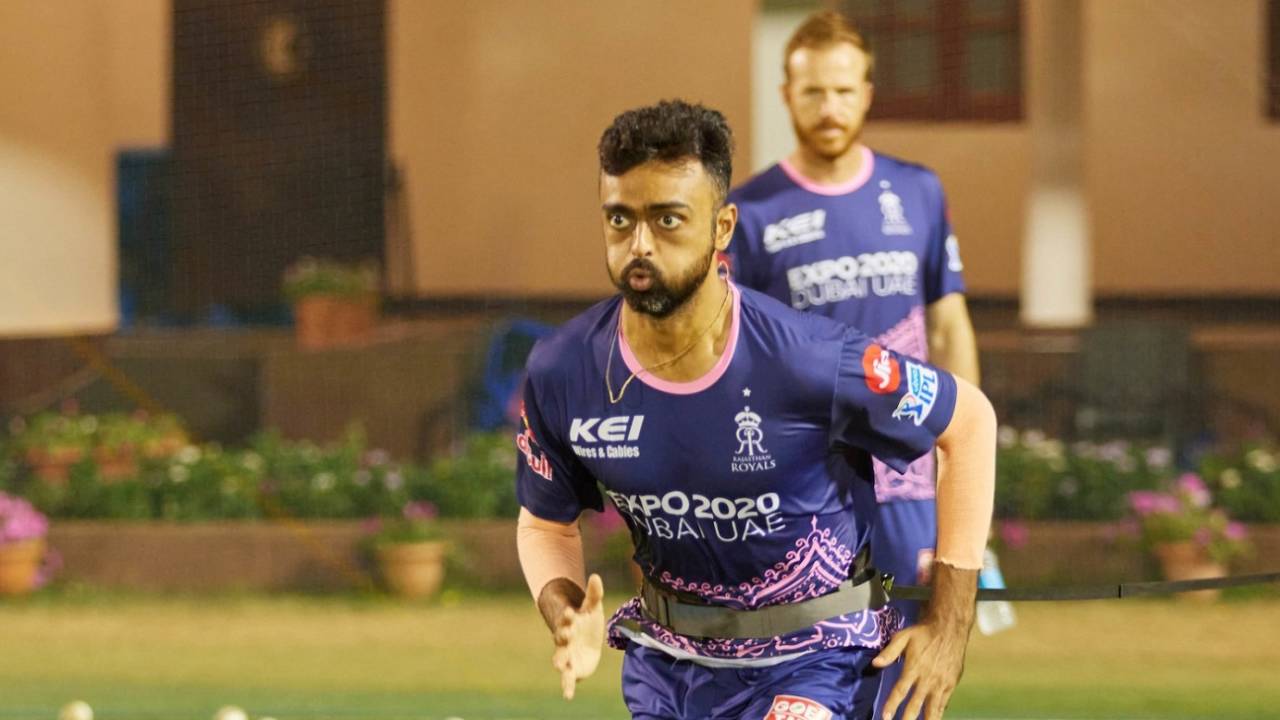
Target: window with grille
<point>943,60</point>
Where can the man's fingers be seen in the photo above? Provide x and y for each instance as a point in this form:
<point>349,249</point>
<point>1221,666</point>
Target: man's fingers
<point>915,704</point>
<point>896,696</point>
<point>934,706</point>
<point>595,594</point>
<point>563,662</point>
<point>893,650</point>
<point>568,683</point>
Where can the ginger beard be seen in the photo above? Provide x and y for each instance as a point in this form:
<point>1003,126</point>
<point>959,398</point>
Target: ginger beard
<point>828,139</point>
<point>647,290</point>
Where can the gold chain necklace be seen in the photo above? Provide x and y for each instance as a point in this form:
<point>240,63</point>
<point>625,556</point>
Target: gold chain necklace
<point>608,369</point>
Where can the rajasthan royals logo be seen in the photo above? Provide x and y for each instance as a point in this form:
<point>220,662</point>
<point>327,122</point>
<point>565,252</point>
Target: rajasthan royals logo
<point>895,218</point>
<point>750,436</point>
<point>752,454</point>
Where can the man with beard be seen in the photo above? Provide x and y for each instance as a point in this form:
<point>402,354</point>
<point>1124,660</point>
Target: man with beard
<point>862,238</point>
<point>735,436</point>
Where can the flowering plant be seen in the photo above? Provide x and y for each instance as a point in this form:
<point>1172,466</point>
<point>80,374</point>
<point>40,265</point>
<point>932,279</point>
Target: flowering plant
<point>415,523</point>
<point>1246,480</point>
<point>313,276</point>
<point>20,521</point>
<point>1184,512</point>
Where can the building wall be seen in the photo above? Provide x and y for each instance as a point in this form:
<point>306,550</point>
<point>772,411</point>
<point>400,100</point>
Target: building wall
<point>1183,169</point>
<point>496,108</point>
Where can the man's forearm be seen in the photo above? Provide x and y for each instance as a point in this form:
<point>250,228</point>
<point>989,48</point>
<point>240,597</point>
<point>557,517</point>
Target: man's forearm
<point>966,479</point>
<point>551,558</point>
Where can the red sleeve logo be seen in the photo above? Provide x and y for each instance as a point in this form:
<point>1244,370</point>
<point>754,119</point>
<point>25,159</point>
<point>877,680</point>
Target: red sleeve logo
<point>527,444</point>
<point>881,370</point>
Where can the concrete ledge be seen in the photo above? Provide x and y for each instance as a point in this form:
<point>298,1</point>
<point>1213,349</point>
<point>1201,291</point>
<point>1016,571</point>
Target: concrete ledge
<point>325,555</point>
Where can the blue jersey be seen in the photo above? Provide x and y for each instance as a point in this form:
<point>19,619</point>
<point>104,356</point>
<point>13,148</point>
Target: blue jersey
<point>872,253</point>
<point>747,488</point>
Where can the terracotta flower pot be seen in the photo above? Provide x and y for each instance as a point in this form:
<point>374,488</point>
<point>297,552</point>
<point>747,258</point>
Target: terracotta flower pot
<point>1188,561</point>
<point>323,321</point>
<point>20,566</point>
<point>116,463</point>
<point>412,570</point>
<point>54,465</point>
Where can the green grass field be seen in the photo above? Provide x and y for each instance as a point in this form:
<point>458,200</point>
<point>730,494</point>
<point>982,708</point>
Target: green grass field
<point>476,658</point>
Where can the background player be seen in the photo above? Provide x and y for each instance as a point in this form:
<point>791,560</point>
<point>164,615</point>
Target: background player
<point>863,238</point>
<point>735,436</point>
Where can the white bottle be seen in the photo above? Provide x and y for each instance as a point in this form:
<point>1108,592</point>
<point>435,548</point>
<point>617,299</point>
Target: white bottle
<point>993,615</point>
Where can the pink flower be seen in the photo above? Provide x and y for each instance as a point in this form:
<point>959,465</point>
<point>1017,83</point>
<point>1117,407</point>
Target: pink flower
<point>421,511</point>
<point>1167,504</point>
<point>1013,534</point>
<point>1234,531</point>
<point>1146,502</point>
<point>1193,488</point>
<point>1203,537</point>
<point>19,520</point>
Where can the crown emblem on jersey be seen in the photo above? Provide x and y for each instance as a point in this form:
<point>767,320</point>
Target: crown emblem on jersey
<point>746,418</point>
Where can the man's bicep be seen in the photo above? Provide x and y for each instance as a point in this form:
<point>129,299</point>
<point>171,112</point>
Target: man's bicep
<point>889,404</point>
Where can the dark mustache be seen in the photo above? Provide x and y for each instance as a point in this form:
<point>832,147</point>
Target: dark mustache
<point>639,264</point>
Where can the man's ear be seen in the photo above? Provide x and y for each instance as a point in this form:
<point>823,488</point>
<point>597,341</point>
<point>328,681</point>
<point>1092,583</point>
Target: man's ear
<point>726,221</point>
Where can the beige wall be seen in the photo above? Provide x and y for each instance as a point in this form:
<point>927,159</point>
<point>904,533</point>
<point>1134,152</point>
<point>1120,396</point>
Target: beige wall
<point>985,171</point>
<point>1182,171</point>
<point>1182,168</point>
<point>77,78</point>
<point>496,108</point>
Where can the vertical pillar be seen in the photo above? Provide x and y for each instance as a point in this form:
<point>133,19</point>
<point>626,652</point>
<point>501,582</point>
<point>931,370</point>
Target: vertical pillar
<point>1056,288</point>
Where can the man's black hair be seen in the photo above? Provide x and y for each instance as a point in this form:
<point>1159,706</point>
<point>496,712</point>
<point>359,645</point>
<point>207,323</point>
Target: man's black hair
<point>671,131</point>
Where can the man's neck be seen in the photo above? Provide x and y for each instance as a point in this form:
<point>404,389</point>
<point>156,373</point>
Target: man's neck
<point>698,329</point>
<point>828,171</point>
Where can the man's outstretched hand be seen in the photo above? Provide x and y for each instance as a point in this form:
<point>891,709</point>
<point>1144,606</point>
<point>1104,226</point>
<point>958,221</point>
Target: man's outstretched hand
<point>577,625</point>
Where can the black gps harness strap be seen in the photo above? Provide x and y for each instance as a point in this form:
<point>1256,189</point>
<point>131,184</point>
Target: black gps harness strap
<point>1118,591</point>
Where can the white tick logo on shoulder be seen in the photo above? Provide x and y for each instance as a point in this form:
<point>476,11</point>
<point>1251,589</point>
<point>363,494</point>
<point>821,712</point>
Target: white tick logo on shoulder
<point>922,393</point>
<point>895,219</point>
<point>752,454</point>
<point>953,254</point>
<point>796,230</point>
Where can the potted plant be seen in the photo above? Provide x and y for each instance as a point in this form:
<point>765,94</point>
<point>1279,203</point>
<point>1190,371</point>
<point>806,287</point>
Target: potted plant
<point>410,553</point>
<point>1191,538</point>
<point>334,303</point>
<point>22,545</point>
<point>51,443</point>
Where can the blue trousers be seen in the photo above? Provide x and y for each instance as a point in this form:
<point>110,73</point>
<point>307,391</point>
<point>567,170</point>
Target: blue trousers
<point>833,684</point>
<point>902,531</point>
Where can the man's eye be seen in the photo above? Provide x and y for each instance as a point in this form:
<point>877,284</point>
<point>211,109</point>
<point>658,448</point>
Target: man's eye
<point>617,221</point>
<point>669,222</point>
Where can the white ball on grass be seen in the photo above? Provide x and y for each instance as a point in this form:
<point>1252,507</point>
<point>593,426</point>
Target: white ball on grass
<point>78,710</point>
<point>230,712</point>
